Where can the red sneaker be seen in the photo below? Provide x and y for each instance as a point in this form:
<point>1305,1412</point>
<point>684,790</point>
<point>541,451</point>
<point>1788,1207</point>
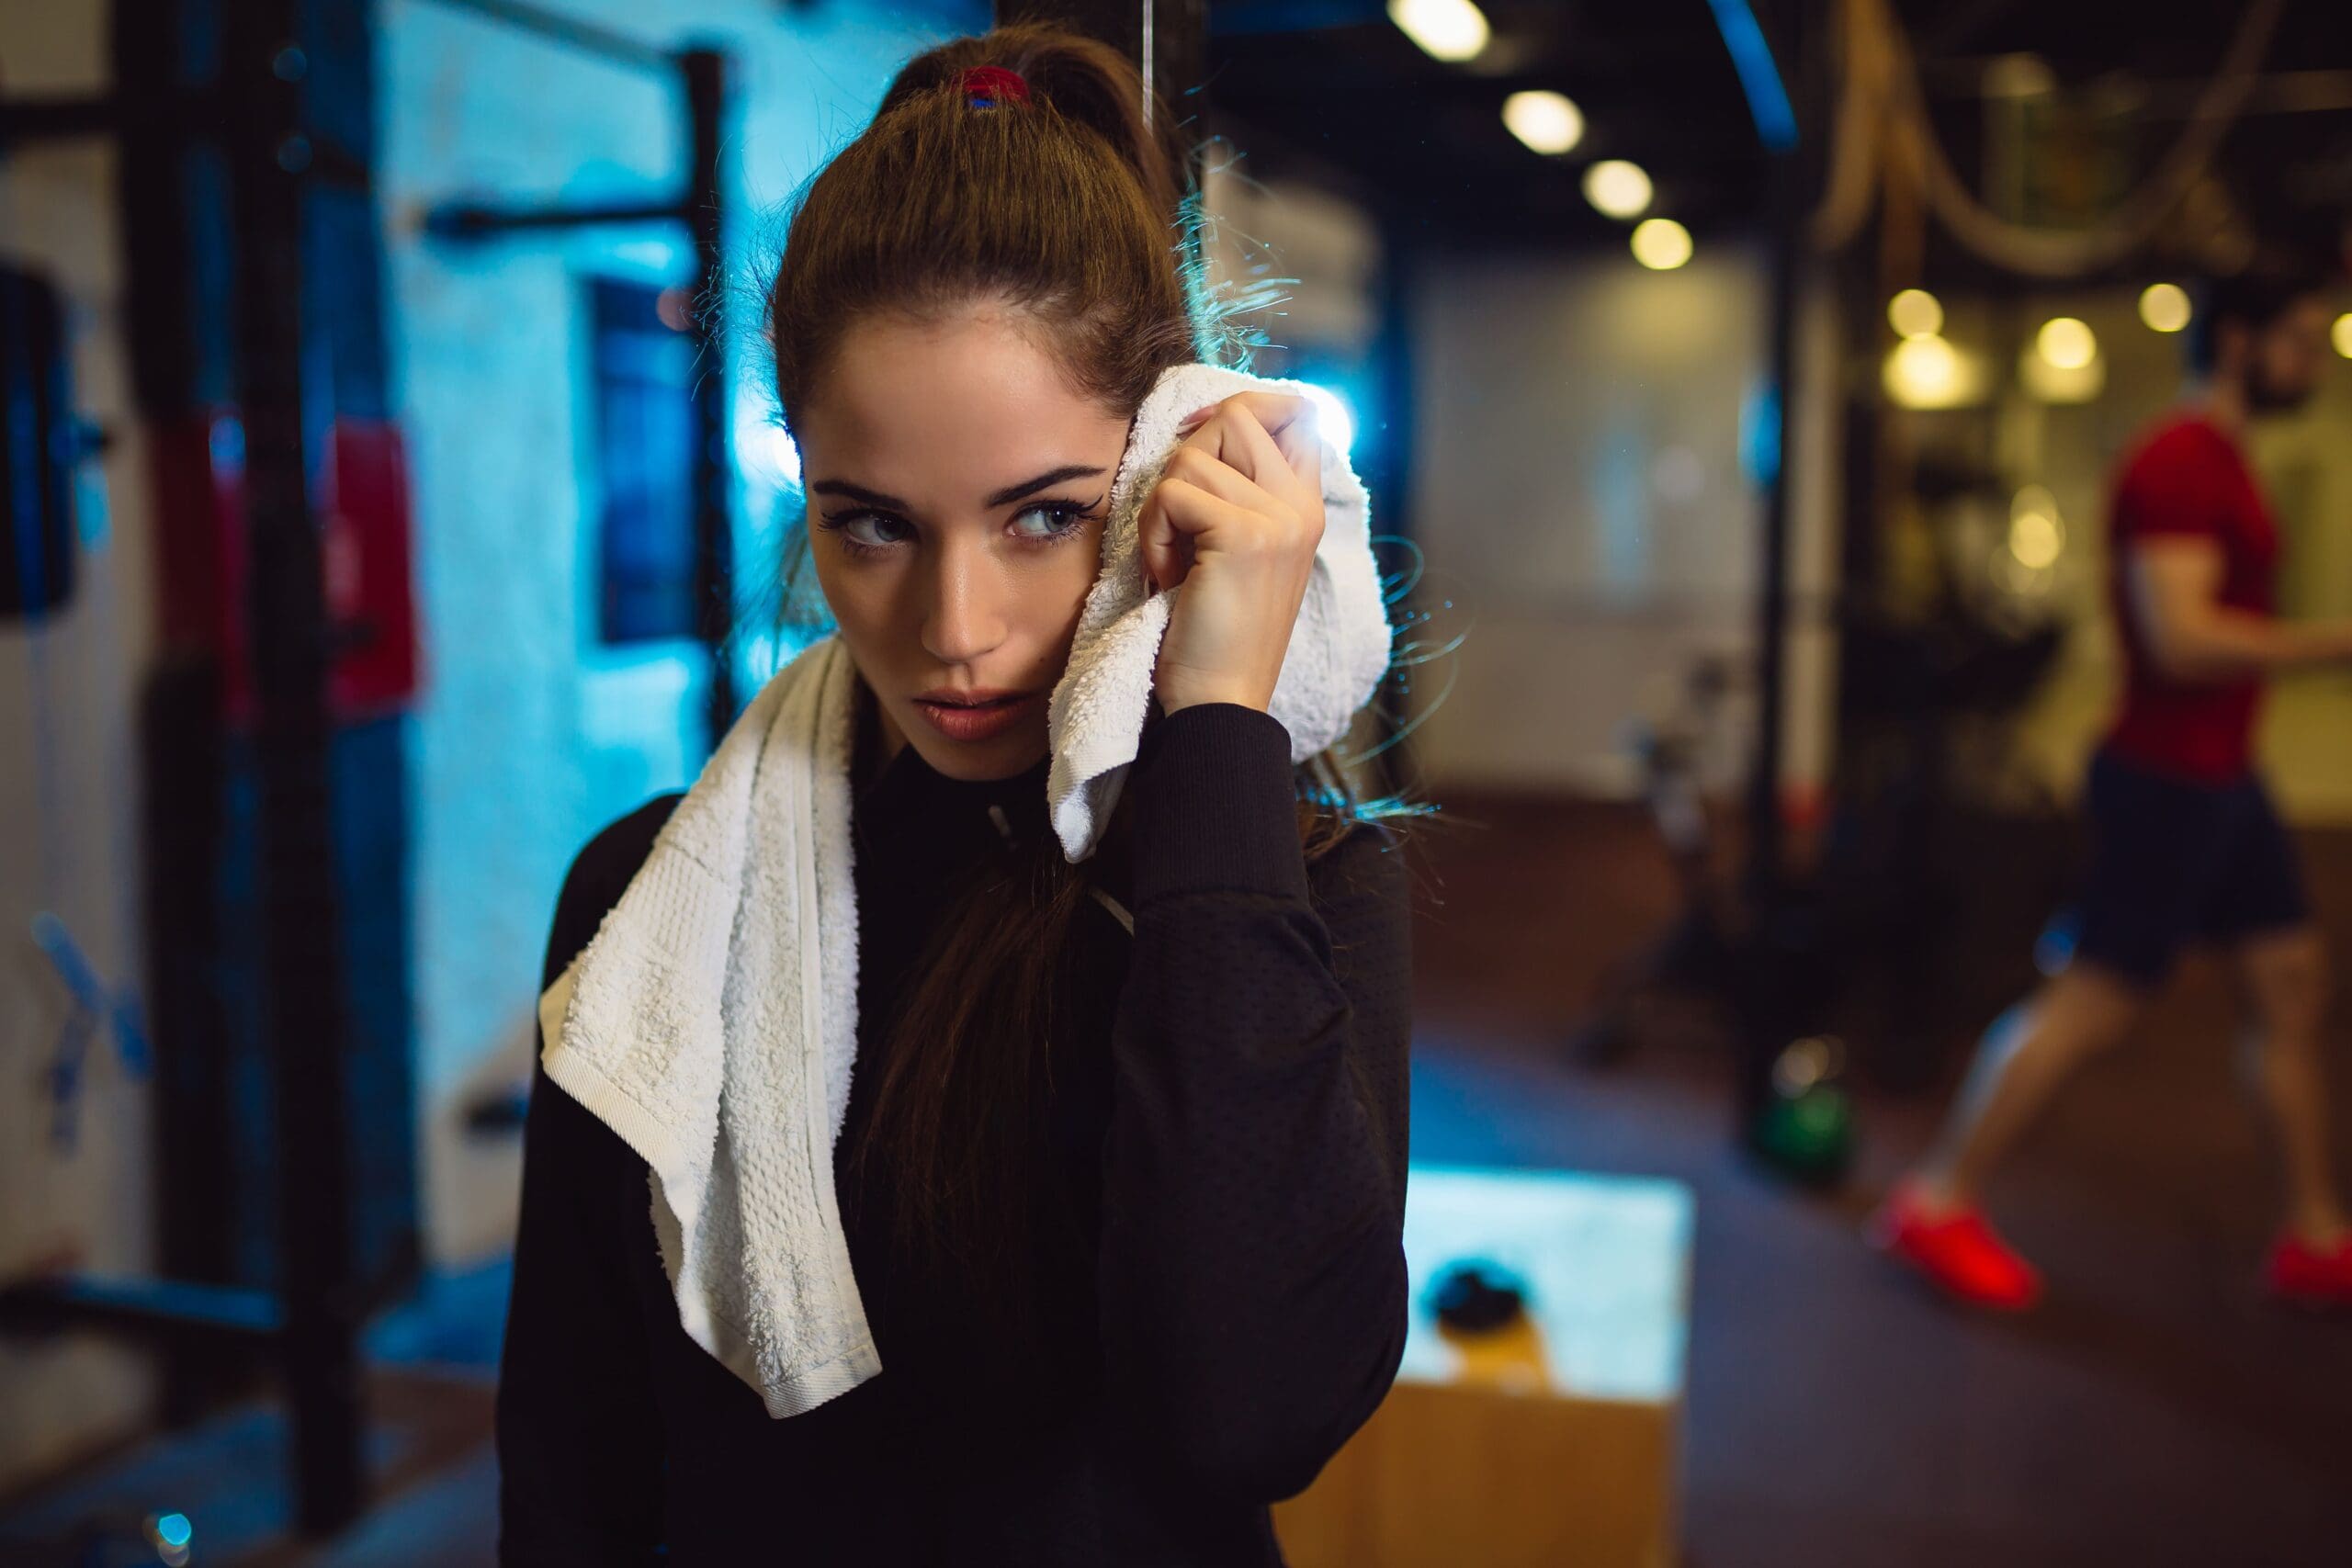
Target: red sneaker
<point>1957,1250</point>
<point>2305,1275</point>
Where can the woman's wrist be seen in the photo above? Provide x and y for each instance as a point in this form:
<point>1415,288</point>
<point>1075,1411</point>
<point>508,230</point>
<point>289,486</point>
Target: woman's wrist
<point>1176,695</point>
<point>1216,804</point>
<point>1201,699</point>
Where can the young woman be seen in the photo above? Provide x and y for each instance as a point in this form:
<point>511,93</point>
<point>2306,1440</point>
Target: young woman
<point>1124,1205</point>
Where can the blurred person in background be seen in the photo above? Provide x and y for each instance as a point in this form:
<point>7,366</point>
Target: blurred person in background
<point>2185,844</point>
<point>1124,1205</point>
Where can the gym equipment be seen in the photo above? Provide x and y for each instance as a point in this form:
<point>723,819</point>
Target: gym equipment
<point>1551,1433</point>
<point>1477,1298</point>
<point>39,443</point>
<point>258,103</point>
<point>1743,966</point>
<point>700,205</point>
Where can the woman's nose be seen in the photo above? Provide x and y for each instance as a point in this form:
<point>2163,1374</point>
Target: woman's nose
<point>966,618</point>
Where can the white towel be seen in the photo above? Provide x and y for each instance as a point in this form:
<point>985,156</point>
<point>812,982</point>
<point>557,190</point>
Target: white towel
<point>1338,649</point>
<point>712,1020</point>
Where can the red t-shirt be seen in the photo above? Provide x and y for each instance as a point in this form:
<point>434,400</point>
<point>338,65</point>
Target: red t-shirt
<point>2187,478</point>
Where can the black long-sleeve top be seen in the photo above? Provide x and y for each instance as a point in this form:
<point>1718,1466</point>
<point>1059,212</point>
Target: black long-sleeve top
<point>1227,1121</point>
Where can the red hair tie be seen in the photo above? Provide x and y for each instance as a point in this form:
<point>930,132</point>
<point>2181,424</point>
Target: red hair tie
<point>986,87</point>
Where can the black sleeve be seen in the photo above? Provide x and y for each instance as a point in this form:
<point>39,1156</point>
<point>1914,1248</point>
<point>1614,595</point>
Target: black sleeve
<point>579,1444</point>
<point>1252,1271</point>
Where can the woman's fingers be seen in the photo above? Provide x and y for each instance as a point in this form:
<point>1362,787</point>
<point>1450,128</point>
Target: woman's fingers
<point>1279,428</point>
<point>1251,464</point>
<point>1192,421</point>
<point>1273,437</point>
<point>1173,522</point>
<point>1172,518</point>
<point>1292,454</point>
<point>1221,478</point>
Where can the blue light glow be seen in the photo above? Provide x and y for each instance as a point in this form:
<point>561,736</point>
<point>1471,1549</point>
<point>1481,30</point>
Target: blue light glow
<point>763,449</point>
<point>1333,418</point>
<point>175,1529</point>
<point>1760,76</point>
<point>1759,433</point>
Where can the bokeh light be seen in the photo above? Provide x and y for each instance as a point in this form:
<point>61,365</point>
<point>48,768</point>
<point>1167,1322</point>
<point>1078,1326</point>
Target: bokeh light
<point>1546,121</point>
<point>2036,535</point>
<point>2165,307</point>
<point>1925,372</point>
<point>1618,188</point>
<point>2067,342</point>
<point>2050,382</point>
<point>1332,417</point>
<point>1661,243</point>
<point>1915,313</point>
<point>1446,29</point>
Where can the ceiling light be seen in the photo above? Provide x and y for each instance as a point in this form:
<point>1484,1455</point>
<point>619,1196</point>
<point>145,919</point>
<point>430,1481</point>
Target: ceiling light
<point>1915,313</point>
<point>2037,536</point>
<point>1448,29</point>
<point>2051,382</point>
<point>2165,307</point>
<point>2066,342</point>
<point>1661,243</point>
<point>1618,188</point>
<point>1927,373</point>
<point>1545,121</point>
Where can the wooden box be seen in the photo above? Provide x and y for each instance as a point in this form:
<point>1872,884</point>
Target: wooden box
<point>1555,1442</point>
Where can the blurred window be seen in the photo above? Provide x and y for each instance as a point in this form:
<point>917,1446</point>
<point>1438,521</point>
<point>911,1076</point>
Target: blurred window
<point>641,371</point>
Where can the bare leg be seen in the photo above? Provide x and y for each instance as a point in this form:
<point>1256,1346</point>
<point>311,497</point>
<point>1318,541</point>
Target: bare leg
<point>2023,1059</point>
<point>2284,976</point>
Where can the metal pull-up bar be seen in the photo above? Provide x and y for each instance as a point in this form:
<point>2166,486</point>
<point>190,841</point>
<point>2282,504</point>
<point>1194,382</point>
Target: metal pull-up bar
<point>702,75</point>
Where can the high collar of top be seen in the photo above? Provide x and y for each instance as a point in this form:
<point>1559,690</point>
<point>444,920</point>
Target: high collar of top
<point>905,795</point>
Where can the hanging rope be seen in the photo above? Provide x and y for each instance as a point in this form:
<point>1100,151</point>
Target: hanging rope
<point>1883,115</point>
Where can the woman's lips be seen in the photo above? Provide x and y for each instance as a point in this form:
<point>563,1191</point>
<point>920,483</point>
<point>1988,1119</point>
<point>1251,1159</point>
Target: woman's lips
<point>979,722</point>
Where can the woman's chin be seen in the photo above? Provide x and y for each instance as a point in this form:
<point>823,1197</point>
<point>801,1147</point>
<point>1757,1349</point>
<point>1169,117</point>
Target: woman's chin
<point>1003,755</point>
<point>961,765</point>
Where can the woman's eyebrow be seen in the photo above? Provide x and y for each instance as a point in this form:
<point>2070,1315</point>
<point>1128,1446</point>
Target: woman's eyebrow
<point>849,492</point>
<point>1004,497</point>
<point>1012,493</point>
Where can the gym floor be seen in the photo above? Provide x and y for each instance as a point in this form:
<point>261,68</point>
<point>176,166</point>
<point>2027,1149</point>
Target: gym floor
<point>2154,1410</point>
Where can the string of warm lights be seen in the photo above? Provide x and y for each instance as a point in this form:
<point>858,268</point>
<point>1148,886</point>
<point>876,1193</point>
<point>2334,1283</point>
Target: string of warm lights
<point>2061,365</point>
<point>1551,124</point>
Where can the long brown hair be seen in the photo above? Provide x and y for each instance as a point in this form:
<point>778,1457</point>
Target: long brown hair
<point>1075,208</point>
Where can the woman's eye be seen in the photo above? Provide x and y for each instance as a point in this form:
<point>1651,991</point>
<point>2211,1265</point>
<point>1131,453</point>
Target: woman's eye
<point>871,529</point>
<point>1045,521</point>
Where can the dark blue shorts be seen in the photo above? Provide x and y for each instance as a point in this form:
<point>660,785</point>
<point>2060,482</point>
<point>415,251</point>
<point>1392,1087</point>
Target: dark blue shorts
<point>2174,862</point>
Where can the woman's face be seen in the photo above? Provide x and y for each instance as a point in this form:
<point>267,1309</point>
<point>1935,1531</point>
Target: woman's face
<point>956,490</point>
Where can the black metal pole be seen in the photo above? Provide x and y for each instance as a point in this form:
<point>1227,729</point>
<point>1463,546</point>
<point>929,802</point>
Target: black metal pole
<point>472,221</point>
<point>1791,188</point>
<point>1388,475</point>
<point>705,73</point>
<point>1767,984</point>
<point>1764,846</point>
<point>46,118</point>
<point>304,1023</point>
